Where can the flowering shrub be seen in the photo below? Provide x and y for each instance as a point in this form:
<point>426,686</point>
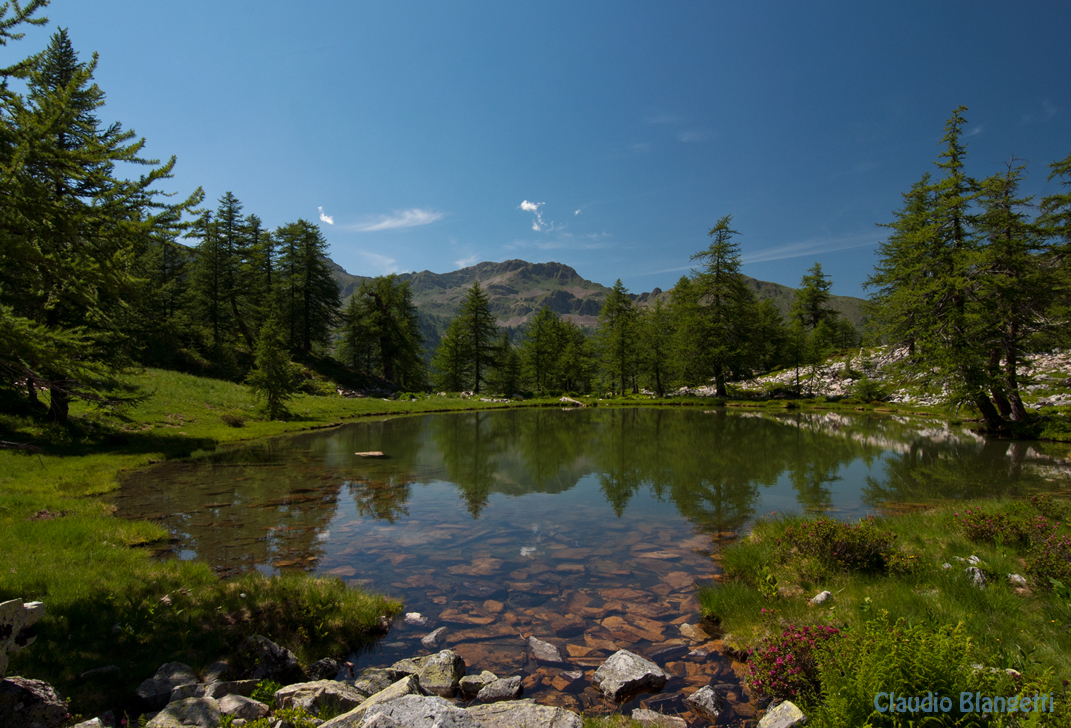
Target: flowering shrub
<point>841,546</point>
<point>1050,559</point>
<point>786,667</point>
<point>1006,528</point>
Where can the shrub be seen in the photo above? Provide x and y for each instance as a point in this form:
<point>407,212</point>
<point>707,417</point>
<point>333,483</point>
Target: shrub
<point>867,390</point>
<point>1005,528</point>
<point>1050,560</point>
<point>896,657</point>
<point>1052,509</point>
<point>841,546</point>
<point>233,420</point>
<point>786,667</point>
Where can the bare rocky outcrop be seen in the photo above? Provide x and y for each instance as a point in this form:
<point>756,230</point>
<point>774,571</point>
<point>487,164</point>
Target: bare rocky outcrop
<point>200,712</point>
<point>16,619</point>
<point>156,691</point>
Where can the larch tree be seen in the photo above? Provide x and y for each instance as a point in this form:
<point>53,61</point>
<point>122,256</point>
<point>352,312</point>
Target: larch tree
<point>480,331</point>
<point>617,338</point>
<point>309,291</point>
<point>726,308</point>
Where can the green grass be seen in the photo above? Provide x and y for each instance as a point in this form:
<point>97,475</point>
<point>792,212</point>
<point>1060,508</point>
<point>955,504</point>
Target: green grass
<point>769,580</point>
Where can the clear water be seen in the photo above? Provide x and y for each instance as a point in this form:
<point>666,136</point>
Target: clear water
<point>586,528</point>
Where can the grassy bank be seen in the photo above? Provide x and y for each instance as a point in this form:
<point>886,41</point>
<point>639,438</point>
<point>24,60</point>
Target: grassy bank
<point>898,619</point>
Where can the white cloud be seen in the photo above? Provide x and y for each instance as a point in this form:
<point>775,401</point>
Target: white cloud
<point>976,131</point>
<point>400,219</point>
<point>381,263</point>
<point>813,246</point>
<point>564,241</point>
<point>537,224</point>
<point>466,262</point>
<point>577,212</point>
<point>329,219</point>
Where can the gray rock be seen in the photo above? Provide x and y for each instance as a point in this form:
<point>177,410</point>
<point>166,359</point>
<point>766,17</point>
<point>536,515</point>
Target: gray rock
<point>783,715</point>
<point>242,707</point>
<point>218,671</point>
<point>507,688</point>
<point>416,619</point>
<point>626,674</point>
<point>697,655</point>
<point>544,652</point>
<point>325,669</point>
<point>470,685</point>
<point>314,696</point>
<point>156,691</point>
<point>408,666</point>
<point>657,720</point>
<point>244,688</point>
<point>379,720</point>
<point>92,723</point>
<point>976,576</point>
<point>200,712</point>
<point>190,690</point>
<point>433,639</point>
<point>406,686</point>
<point>820,598</point>
<point>1017,579</point>
<point>100,673</point>
<point>15,620</point>
<point>946,565</point>
<point>423,711</point>
<point>373,679</point>
<point>441,673</point>
<point>274,662</point>
<point>26,703</point>
<point>973,560</point>
<point>706,702</point>
<point>523,714</point>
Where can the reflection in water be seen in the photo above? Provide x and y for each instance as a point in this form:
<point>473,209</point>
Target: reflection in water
<point>587,527</point>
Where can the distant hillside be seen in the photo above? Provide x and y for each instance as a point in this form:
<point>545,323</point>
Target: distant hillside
<point>518,289</point>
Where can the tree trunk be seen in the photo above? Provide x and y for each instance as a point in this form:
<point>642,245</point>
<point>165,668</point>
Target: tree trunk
<point>992,417</point>
<point>59,404</point>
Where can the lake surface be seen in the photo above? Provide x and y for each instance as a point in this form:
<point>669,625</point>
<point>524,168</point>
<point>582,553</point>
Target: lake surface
<point>588,528</point>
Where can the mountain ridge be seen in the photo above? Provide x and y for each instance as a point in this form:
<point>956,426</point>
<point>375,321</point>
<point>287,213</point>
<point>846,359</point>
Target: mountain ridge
<point>517,288</point>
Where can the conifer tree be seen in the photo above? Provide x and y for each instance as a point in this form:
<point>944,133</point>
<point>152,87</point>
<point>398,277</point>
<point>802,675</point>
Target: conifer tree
<point>274,378</point>
<point>310,293</point>
<point>452,361</point>
<point>541,349</point>
<point>72,228</point>
<point>656,343</point>
<point>617,338</point>
<point>506,372</point>
<point>356,342</point>
<point>726,308</point>
<point>812,298</point>
<point>480,331</point>
<point>395,330</point>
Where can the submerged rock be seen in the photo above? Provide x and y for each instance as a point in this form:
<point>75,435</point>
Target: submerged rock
<point>626,674</point>
<point>433,639</point>
<point>544,651</point>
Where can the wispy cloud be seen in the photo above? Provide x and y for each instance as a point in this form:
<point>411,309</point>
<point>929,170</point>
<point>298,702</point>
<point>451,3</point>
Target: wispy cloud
<point>538,224</point>
<point>812,246</point>
<point>975,131</point>
<point>1047,112</point>
<point>576,213</point>
<point>330,220</point>
<point>564,241</point>
<point>399,219</point>
<point>380,263</point>
<point>690,136</point>
<point>466,262</point>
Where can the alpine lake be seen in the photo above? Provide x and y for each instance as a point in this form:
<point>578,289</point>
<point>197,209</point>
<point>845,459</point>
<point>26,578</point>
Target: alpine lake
<point>587,528</point>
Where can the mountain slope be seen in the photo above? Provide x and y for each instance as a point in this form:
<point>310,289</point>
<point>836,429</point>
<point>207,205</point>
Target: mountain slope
<point>517,289</point>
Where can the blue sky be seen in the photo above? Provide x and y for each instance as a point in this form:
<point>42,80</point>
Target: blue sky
<point>610,136</point>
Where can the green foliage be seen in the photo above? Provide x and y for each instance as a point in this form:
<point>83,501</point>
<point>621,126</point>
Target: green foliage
<point>617,339</point>
<point>385,314</point>
<point>274,378</point>
<point>866,389</point>
<point>309,295</point>
<point>894,656</point>
<point>265,691</point>
<point>839,546</point>
<point>1050,562</point>
<point>293,717</point>
<point>479,333</point>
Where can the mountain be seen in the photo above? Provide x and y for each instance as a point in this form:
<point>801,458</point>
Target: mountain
<point>517,289</point>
